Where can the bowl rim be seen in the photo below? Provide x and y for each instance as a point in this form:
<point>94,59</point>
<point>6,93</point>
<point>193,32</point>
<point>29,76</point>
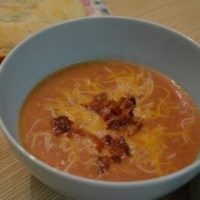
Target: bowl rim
<point>117,184</point>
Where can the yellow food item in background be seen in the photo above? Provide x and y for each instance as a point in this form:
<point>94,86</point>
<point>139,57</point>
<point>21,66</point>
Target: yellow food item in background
<point>21,18</point>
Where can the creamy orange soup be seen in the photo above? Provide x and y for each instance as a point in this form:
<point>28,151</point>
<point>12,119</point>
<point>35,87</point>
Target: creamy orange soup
<point>111,121</point>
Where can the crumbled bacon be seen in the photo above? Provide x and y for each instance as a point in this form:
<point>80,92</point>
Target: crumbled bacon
<point>117,115</point>
<point>127,102</point>
<point>118,147</point>
<point>99,102</point>
<point>75,132</point>
<point>124,146</point>
<point>61,125</point>
<point>103,163</point>
<point>96,141</point>
<point>116,159</point>
<point>119,122</point>
<point>106,140</point>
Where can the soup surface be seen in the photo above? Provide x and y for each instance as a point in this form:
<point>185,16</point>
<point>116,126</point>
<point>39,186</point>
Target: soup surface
<point>112,121</point>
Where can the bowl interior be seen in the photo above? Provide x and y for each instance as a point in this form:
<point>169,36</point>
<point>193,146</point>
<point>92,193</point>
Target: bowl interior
<point>95,39</point>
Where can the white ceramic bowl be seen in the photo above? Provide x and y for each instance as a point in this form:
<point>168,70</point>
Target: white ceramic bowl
<point>89,39</point>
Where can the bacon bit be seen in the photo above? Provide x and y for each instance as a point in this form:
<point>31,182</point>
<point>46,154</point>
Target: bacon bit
<point>116,159</point>
<point>98,103</point>
<point>106,140</point>
<point>119,122</point>
<point>115,148</point>
<point>103,163</point>
<point>118,147</point>
<point>128,102</point>
<point>96,141</point>
<point>75,132</point>
<point>117,115</point>
<point>61,125</point>
<point>124,146</point>
<point>102,105</point>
